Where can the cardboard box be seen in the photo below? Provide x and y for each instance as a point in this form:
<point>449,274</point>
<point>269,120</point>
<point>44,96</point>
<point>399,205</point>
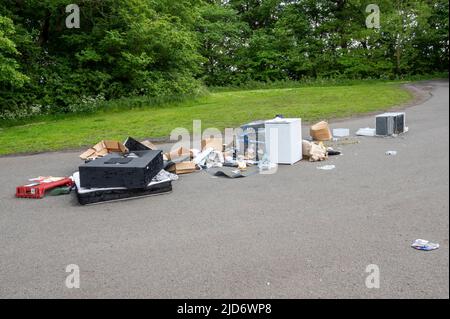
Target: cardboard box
<point>102,148</point>
<point>179,153</point>
<point>182,168</point>
<point>321,132</point>
<point>215,143</point>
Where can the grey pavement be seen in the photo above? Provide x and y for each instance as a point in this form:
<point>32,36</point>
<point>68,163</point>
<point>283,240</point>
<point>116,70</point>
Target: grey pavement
<point>301,233</point>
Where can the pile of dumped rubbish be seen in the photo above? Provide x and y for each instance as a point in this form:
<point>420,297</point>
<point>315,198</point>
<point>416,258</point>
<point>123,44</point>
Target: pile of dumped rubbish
<point>112,170</point>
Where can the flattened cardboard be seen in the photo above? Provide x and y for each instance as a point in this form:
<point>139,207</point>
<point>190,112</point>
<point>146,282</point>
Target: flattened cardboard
<point>182,168</point>
<point>215,143</point>
<point>102,148</point>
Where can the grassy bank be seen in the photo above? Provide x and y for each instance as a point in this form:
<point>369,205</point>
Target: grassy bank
<point>219,110</point>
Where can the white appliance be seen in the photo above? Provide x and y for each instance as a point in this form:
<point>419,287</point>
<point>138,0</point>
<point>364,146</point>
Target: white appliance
<point>284,140</point>
<point>391,123</point>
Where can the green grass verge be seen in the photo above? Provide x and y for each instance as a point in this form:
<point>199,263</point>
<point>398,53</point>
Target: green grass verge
<point>219,110</point>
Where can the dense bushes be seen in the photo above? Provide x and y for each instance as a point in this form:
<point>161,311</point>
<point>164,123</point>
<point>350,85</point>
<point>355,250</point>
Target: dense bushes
<point>123,48</point>
<point>164,48</point>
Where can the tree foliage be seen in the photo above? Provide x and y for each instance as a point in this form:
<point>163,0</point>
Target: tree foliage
<point>165,47</point>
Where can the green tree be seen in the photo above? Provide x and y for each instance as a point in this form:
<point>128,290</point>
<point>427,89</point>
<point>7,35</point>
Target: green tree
<point>222,35</point>
<point>10,75</point>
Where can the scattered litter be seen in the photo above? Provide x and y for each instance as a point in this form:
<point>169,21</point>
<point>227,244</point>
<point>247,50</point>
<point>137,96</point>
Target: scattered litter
<point>422,244</point>
<point>343,141</point>
<point>182,168</point>
<point>313,151</point>
<point>332,152</point>
<point>41,185</point>
<point>327,167</point>
<point>46,179</point>
<point>194,152</point>
<point>321,132</point>
<point>115,171</point>
<point>233,172</point>
<point>391,153</point>
<point>241,163</point>
<point>341,132</point>
<point>200,159</point>
<point>178,155</point>
<point>265,164</point>
<point>215,143</point>
<point>367,131</point>
<point>60,191</point>
<point>164,175</point>
<point>215,159</point>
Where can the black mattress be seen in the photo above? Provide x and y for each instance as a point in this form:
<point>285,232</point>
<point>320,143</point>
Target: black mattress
<point>101,195</point>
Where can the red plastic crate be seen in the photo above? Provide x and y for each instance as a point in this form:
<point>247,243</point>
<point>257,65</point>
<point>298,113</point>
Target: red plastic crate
<point>38,191</point>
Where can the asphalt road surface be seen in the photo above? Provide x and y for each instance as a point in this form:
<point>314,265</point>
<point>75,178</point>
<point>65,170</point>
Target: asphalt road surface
<point>301,233</point>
